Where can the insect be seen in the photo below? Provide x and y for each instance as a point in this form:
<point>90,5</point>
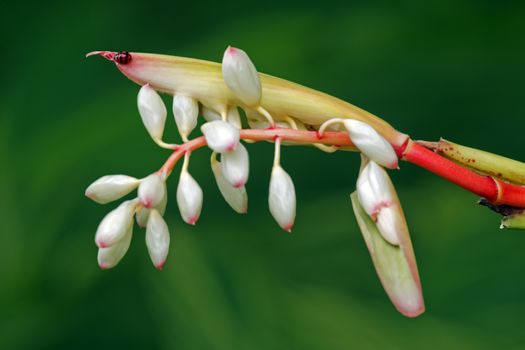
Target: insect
<point>122,57</point>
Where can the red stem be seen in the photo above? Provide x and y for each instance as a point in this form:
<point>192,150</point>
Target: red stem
<point>495,190</point>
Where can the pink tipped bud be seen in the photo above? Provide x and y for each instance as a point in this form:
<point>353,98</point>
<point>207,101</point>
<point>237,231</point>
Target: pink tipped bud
<point>186,112</point>
<point>143,213</point>
<point>236,166</point>
<point>240,76</point>
<point>151,190</point>
<point>221,136</point>
<point>282,198</point>
<point>189,198</point>
<point>111,256</point>
<point>237,198</point>
<point>111,187</point>
<point>115,224</point>
<point>157,239</point>
<point>373,145</point>
<point>152,111</point>
<point>378,198</point>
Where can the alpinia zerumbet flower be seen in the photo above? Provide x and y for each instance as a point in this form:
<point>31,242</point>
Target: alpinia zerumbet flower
<point>185,111</point>
<point>220,136</point>
<point>152,189</point>
<point>236,166</point>
<point>110,256</point>
<point>116,224</point>
<point>111,187</point>
<point>373,145</point>
<point>152,111</point>
<point>240,75</point>
<point>281,198</point>
<point>142,214</point>
<point>157,239</point>
<point>232,116</point>
<point>237,198</point>
<point>189,198</point>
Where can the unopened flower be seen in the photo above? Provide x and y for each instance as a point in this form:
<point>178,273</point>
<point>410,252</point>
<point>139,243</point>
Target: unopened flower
<point>189,198</point>
<point>152,111</point>
<point>220,136</point>
<point>115,224</point>
<point>142,214</point>
<point>237,198</point>
<point>378,198</point>
<point>111,187</point>
<point>282,198</point>
<point>236,166</point>
<point>186,112</point>
<point>110,256</point>
<point>240,75</point>
<point>157,239</point>
<point>373,145</point>
<point>151,190</point>
<point>232,116</point>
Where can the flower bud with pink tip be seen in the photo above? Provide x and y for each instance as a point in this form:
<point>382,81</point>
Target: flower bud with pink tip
<point>371,144</point>
<point>152,111</point>
<point>282,198</point>
<point>236,166</point>
<point>142,214</point>
<point>157,239</point>
<point>240,76</point>
<point>152,189</point>
<point>377,196</point>
<point>116,224</point>
<point>221,136</point>
<point>110,256</point>
<point>232,116</point>
<point>111,187</point>
<point>186,112</point>
<point>189,198</point>
<point>237,198</point>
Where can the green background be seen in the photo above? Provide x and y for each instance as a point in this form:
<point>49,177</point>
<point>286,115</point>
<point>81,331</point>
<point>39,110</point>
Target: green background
<point>448,68</point>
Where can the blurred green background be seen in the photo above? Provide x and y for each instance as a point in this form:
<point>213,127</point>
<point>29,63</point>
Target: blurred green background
<point>450,68</point>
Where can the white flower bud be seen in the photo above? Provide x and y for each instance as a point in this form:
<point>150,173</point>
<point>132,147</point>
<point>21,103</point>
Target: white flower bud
<point>373,145</point>
<point>111,256</point>
<point>240,76</point>
<point>115,224</point>
<point>151,190</point>
<point>157,239</point>
<point>189,198</point>
<point>232,116</point>
<point>237,198</point>
<point>186,112</point>
<point>152,111</point>
<point>143,213</point>
<point>377,196</point>
<point>282,198</point>
<point>111,187</point>
<point>236,166</point>
<point>221,136</point>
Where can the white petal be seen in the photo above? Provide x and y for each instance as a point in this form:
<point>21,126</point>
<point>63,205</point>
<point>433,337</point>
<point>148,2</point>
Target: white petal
<point>111,256</point>
<point>374,189</point>
<point>240,76</point>
<point>210,115</point>
<point>157,239</point>
<point>236,166</point>
<point>237,198</point>
<point>115,224</point>
<point>111,187</point>
<point>373,145</point>
<point>186,112</point>
<point>152,111</point>
<point>387,223</point>
<point>151,190</point>
<point>282,198</point>
<point>220,136</point>
<point>233,117</point>
<point>189,198</point>
<point>143,213</point>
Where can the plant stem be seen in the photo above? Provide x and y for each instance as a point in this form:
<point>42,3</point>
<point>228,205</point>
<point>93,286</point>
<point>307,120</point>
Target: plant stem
<point>491,188</point>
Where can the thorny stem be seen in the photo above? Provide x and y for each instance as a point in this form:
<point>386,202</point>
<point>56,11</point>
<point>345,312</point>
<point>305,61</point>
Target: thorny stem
<point>495,190</point>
